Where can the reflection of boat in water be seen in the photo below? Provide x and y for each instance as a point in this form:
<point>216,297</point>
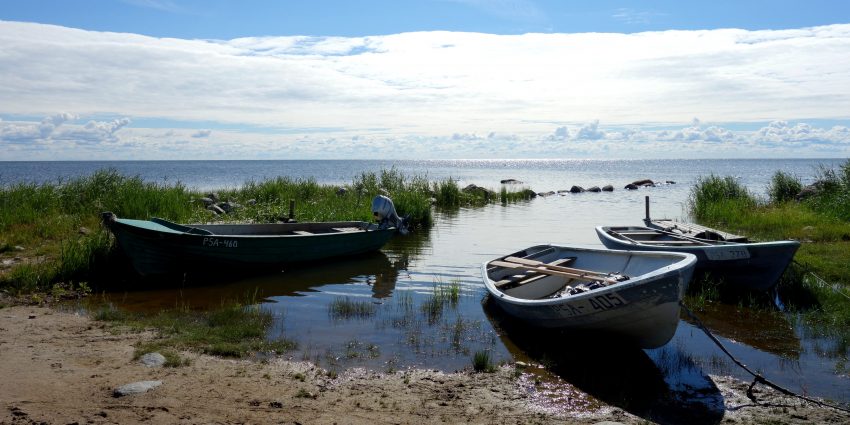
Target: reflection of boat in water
<point>374,269</point>
<point>625,377</point>
<point>632,295</point>
<point>767,331</point>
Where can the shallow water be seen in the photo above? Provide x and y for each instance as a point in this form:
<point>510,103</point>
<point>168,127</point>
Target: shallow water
<point>408,329</point>
<point>405,332</point>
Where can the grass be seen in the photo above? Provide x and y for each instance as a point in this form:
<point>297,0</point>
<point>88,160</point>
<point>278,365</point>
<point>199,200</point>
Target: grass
<point>481,362</point>
<point>58,224</point>
<point>232,330</point>
<point>821,222</point>
<point>443,295</point>
<point>346,308</point>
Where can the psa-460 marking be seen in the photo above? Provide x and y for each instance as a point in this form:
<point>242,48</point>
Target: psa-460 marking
<point>223,243</point>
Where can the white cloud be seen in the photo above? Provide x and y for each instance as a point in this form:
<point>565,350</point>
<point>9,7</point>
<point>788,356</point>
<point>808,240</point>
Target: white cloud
<point>590,131</point>
<point>430,92</point>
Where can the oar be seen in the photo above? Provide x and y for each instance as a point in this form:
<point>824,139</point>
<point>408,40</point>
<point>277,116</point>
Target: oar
<point>530,262</point>
<point>552,272</point>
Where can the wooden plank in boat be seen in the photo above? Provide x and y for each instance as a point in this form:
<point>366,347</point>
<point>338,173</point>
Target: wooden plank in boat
<point>346,229</point>
<point>302,232</point>
<point>541,269</point>
<point>637,232</point>
<point>669,242</point>
<point>531,276</point>
<point>690,229</point>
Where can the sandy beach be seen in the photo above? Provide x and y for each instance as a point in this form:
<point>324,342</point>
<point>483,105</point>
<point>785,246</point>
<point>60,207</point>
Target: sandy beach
<point>62,367</point>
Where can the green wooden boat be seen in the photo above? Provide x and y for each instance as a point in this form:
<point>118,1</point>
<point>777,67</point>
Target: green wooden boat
<point>159,246</point>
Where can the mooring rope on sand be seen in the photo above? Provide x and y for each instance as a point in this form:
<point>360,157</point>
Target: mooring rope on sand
<point>757,378</point>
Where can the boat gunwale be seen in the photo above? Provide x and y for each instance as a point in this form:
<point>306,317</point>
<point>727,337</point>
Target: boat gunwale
<point>686,260</point>
<point>363,227</point>
<point>603,231</point>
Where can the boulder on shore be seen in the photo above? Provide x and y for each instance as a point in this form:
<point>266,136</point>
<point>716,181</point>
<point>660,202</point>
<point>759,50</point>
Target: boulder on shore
<point>510,181</point>
<point>607,188</point>
<point>594,189</point>
<point>479,191</point>
<point>631,186</point>
<point>576,189</point>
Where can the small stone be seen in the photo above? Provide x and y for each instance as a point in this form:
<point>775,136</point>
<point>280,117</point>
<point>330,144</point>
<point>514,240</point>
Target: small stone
<point>215,209</point>
<point>84,231</point>
<point>207,201</point>
<point>140,387</point>
<point>152,360</point>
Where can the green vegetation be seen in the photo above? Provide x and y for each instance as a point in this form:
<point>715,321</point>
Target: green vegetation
<point>444,294</point>
<point>783,187</point>
<point>232,330</point>
<point>346,308</point>
<point>820,220</point>
<point>55,228</point>
<point>481,362</point>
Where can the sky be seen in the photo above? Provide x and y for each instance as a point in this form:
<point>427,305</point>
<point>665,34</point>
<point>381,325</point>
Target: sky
<point>215,79</point>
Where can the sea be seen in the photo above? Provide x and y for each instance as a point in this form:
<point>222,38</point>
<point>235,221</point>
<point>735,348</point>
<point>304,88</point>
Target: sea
<point>406,330</point>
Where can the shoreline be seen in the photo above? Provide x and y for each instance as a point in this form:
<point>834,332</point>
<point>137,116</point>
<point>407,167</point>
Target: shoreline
<point>62,367</point>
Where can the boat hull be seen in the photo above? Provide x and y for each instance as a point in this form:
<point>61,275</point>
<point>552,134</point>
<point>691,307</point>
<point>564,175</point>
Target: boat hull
<point>643,309</point>
<point>754,265</point>
<point>154,250</point>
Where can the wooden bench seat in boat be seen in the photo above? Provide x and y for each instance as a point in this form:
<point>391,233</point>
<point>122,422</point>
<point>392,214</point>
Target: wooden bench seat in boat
<point>302,232</point>
<point>347,229</point>
<point>531,276</point>
<point>670,242</point>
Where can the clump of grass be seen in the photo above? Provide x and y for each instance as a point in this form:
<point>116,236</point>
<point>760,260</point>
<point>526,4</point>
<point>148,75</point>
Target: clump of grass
<point>481,362</point>
<point>447,193</point>
<point>346,308</point>
<point>783,187</point>
<point>713,197</point>
<point>232,330</point>
<point>444,294</point>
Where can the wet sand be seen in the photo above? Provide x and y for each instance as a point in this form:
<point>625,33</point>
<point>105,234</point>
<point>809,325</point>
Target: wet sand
<point>60,367</point>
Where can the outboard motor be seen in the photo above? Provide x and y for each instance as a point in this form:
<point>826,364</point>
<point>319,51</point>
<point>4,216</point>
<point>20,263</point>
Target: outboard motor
<point>384,212</point>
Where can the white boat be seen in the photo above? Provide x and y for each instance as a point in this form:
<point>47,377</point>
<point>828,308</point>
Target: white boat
<point>751,265</point>
<point>631,295</point>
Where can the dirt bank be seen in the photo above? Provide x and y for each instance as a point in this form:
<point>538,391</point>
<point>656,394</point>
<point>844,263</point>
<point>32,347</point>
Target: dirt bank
<point>61,367</point>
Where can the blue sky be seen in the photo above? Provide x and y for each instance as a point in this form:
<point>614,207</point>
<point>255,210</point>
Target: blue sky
<point>220,19</point>
<point>160,79</point>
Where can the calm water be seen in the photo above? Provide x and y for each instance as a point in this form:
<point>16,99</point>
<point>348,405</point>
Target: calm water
<point>400,280</point>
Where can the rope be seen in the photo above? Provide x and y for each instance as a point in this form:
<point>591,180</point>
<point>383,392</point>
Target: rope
<point>820,281</point>
<point>757,378</point>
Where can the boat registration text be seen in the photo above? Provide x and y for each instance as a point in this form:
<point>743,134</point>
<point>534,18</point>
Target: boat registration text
<point>223,243</point>
<point>600,302</point>
<point>728,253</point>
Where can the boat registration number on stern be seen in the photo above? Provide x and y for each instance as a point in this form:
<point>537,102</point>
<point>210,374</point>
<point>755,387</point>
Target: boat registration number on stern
<point>223,243</point>
<point>590,305</point>
<point>728,253</point>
